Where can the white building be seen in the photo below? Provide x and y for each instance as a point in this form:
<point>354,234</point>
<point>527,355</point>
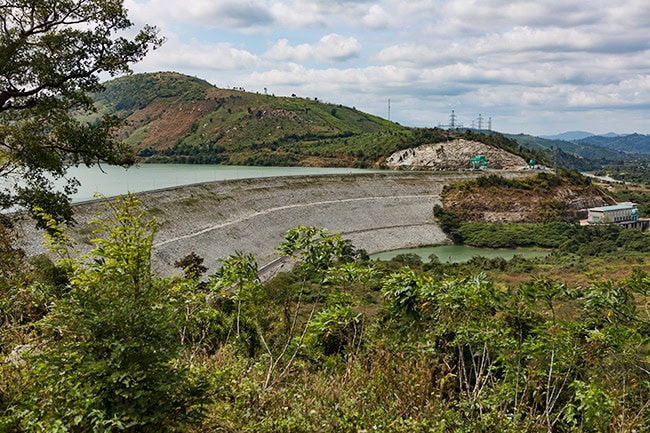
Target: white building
<point>619,213</point>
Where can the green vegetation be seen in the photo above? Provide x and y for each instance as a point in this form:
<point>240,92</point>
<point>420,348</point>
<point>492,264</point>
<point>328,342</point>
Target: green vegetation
<point>101,343</point>
<point>566,237</point>
<point>351,147</point>
<point>510,235</point>
<point>558,230</point>
<point>195,122</point>
<point>107,355</point>
<point>540,198</point>
<point>634,172</point>
<point>175,118</point>
<point>126,95</point>
<point>563,236</point>
<point>541,181</point>
<point>624,158</point>
<point>577,251</point>
<point>570,154</point>
<point>51,57</point>
<point>639,196</point>
<point>631,143</point>
<point>337,344</point>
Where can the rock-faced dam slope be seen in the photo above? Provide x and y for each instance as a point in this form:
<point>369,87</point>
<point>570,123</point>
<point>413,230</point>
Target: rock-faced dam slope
<point>376,211</point>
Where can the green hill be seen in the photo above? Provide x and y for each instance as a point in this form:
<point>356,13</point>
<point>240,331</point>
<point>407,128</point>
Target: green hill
<point>576,155</point>
<point>171,117</point>
<point>630,144</point>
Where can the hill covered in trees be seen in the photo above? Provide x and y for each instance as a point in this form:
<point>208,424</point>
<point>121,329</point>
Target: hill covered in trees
<point>624,157</point>
<point>631,143</point>
<point>172,117</point>
<point>175,118</point>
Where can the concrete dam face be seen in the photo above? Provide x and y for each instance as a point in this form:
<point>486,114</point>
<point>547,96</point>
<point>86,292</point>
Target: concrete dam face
<point>376,211</point>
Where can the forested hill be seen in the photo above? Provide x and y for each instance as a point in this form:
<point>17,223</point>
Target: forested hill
<point>632,143</point>
<point>171,117</point>
<point>577,155</point>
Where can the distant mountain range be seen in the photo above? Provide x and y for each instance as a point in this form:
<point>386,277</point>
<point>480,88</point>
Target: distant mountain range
<point>632,143</point>
<point>568,136</point>
<point>589,153</point>
<point>596,148</point>
<point>579,135</point>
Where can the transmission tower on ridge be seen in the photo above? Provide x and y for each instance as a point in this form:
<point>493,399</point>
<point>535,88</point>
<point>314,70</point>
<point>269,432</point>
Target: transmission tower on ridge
<point>453,122</point>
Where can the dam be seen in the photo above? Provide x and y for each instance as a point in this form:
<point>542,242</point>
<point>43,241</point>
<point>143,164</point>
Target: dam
<point>376,211</point>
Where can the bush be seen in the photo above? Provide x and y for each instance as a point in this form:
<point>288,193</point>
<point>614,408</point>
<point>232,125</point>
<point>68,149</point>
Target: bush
<point>110,356</point>
<point>449,222</point>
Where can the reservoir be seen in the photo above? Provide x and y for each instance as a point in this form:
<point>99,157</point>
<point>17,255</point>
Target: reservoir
<point>460,253</point>
<point>112,180</point>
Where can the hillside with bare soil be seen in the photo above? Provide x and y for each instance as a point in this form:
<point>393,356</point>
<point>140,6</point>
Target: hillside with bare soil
<point>170,117</point>
<point>544,197</point>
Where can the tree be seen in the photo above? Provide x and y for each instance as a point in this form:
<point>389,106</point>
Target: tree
<point>52,53</point>
<point>110,357</point>
<point>316,248</point>
<point>192,266</point>
<point>238,274</point>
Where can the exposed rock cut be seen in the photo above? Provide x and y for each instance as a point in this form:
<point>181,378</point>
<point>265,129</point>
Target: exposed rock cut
<point>453,155</point>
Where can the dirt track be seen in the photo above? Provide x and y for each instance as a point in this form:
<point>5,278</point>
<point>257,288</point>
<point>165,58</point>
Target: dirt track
<point>377,212</point>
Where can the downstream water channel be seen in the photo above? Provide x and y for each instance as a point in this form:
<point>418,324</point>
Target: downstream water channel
<point>114,181</point>
<point>460,253</point>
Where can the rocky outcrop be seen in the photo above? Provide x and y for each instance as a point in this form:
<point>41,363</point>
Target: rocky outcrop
<point>453,155</point>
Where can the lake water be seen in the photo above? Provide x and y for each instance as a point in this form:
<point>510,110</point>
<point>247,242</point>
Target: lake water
<point>117,180</point>
<point>460,253</point>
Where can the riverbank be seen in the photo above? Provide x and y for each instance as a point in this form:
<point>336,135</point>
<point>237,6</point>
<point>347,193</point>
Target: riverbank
<point>376,211</point>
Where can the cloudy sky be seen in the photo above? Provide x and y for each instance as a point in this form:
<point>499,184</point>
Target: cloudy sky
<point>532,66</point>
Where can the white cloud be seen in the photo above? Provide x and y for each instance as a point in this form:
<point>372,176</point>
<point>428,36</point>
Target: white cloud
<point>523,60</point>
<point>299,15</point>
<point>330,48</point>
<point>335,47</point>
<point>237,14</point>
<point>376,18</point>
<point>242,15</point>
<point>196,55</point>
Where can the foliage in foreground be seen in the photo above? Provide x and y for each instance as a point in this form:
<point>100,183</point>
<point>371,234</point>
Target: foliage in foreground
<point>51,55</point>
<point>458,354</point>
<point>337,345</point>
<point>106,355</point>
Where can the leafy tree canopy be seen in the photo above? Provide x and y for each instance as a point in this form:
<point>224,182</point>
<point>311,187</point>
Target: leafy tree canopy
<point>52,53</point>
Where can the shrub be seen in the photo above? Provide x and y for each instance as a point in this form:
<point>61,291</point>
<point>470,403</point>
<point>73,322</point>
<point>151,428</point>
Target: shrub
<point>110,357</point>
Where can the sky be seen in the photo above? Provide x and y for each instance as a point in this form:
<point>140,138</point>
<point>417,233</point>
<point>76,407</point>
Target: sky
<point>538,67</point>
